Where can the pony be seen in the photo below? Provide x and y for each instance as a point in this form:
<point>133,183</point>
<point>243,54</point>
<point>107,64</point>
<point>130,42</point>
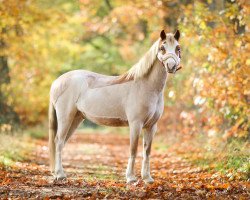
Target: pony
<point>133,99</point>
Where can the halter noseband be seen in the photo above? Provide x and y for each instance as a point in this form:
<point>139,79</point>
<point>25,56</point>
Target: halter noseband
<point>167,56</point>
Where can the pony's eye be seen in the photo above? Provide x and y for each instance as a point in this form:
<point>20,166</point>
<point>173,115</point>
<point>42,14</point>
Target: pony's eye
<point>178,51</point>
<point>162,48</point>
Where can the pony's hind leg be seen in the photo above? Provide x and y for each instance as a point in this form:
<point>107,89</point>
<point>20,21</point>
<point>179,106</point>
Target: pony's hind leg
<point>147,141</point>
<point>76,122</point>
<point>65,119</point>
<point>135,130</point>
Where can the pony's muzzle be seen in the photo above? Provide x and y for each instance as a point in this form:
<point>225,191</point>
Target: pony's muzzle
<point>170,61</point>
<point>171,65</point>
<point>171,69</point>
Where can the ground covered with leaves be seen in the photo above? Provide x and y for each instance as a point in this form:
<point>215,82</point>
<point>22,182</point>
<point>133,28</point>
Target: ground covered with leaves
<point>95,166</point>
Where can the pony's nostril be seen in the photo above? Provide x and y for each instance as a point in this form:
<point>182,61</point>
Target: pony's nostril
<point>171,65</point>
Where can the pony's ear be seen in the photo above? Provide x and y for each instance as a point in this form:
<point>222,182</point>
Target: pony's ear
<point>177,35</point>
<point>163,35</point>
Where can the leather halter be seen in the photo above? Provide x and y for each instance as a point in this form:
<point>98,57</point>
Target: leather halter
<point>167,56</point>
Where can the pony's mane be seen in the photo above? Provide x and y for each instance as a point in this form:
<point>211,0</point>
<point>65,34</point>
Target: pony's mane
<point>141,68</point>
<point>145,64</point>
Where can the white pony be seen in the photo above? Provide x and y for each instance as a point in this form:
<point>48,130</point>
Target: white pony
<point>134,99</point>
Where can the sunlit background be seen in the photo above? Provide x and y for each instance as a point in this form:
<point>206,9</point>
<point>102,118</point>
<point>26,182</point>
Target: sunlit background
<point>41,39</point>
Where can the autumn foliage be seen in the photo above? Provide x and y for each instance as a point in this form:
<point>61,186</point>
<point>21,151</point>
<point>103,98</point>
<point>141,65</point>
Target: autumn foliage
<point>42,39</point>
<point>218,43</point>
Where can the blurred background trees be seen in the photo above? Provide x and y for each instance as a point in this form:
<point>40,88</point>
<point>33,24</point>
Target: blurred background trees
<point>41,39</point>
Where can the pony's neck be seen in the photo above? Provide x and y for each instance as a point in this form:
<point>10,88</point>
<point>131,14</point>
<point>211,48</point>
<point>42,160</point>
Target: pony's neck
<point>157,76</point>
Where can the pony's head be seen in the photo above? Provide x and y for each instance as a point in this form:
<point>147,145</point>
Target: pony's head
<point>166,49</point>
<point>169,52</point>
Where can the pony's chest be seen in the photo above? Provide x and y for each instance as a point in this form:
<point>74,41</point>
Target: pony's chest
<point>154,113</point>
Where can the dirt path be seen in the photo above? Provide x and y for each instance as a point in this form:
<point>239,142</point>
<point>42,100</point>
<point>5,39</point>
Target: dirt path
<point>95,165</point>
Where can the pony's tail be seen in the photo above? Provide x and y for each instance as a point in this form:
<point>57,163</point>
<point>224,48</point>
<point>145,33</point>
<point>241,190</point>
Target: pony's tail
<point>52,135</point>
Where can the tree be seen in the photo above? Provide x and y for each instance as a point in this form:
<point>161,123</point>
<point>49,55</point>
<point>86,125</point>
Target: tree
<point>40,43</point>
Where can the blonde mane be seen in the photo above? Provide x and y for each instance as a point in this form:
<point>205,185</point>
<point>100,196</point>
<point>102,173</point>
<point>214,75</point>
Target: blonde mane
<point>144,65</point>
<point>141,68</point>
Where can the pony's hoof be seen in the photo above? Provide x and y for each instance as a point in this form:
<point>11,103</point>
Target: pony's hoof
<point>60,177</point>
<point>148,180</point>
<point>131,179</point>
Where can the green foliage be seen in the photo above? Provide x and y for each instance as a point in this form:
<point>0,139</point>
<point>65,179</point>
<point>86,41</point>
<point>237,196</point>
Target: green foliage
<point>38,45</point>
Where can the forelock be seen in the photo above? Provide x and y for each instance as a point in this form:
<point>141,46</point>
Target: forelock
<point>170,38</point>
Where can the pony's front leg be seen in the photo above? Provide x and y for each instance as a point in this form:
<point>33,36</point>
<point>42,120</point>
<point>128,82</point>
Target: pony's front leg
<point>147,141</point>
<point>135,129</point>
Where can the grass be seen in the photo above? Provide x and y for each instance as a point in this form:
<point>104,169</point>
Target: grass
<point>160,145</point>
<point>37,132</point>
<point>17,146</point>
<point>231,158</point>
<point>102,172</point>
<point>14,148</point>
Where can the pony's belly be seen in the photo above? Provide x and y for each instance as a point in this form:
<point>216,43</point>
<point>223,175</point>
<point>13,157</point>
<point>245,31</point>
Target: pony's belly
<point>103,106</point>
<point>111,115</point>
<point>108,121</point>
